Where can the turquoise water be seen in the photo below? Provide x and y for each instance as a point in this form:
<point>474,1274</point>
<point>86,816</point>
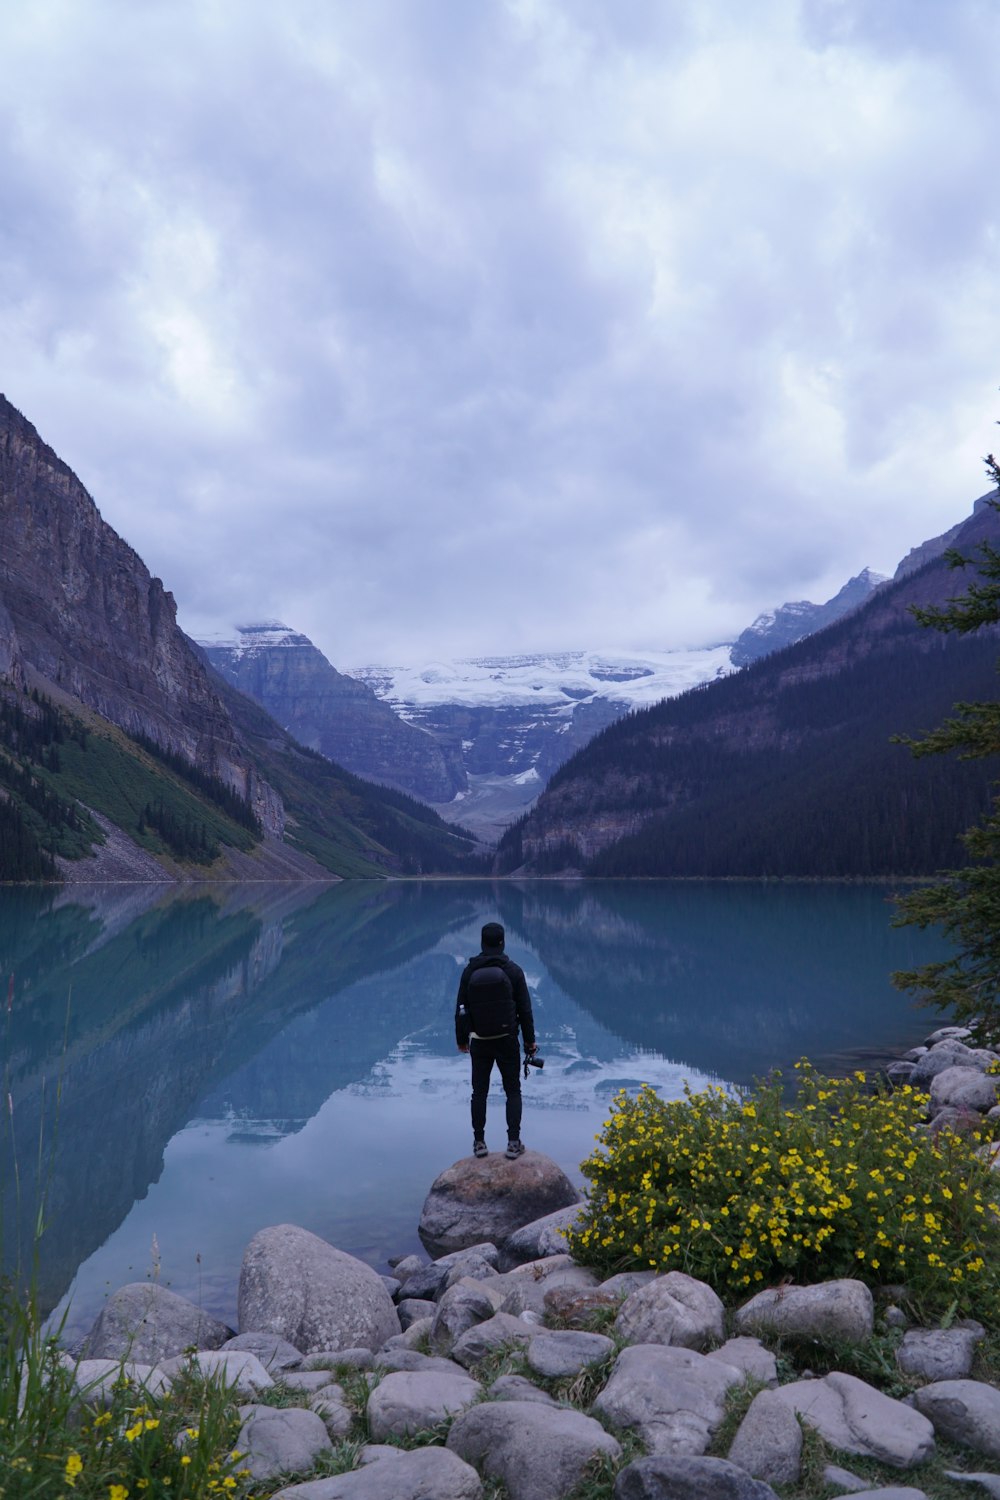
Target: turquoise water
<point>183,1067</point>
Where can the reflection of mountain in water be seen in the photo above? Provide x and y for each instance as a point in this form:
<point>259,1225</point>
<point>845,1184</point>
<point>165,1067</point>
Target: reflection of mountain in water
<point>733,978</point>
<point>252,1005</point>
<point>134,1028</point>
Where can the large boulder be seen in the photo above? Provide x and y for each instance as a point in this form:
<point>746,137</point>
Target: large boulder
<point>768,1442</point>
<point>544,1236</point>
<point>406,1403</point>
<point>830,1310</point>
<point>538,1452</point>
<point>276,1440</point>
<point>964,1411</point>
<point>673,1309</point>
<point>689,1479</point>
<point>394,1474</point>
<point>963,1088</point>
<point>853,1416</point>
<point>674,1399</point>
<point>490,1198</point>
<point>294,1284</point>
<point>146,1323</point>
<point>938,1353</point>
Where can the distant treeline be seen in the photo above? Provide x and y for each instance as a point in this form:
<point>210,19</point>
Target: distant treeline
<point>35,822</point>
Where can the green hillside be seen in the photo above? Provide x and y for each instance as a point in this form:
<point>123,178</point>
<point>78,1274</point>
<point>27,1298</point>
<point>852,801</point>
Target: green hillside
<point>353,827</point>
<point>51,761</point>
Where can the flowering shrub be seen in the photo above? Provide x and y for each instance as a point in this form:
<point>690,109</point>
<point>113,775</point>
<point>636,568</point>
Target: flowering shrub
<point>55,1444</point>
<point>742,1192</point>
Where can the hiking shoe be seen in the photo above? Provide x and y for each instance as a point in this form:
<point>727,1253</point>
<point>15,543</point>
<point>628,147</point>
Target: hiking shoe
<point>514,1150</point>
<point>480,1148</point>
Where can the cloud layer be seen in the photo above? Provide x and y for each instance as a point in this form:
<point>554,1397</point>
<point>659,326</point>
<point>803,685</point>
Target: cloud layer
<point>443,328</point>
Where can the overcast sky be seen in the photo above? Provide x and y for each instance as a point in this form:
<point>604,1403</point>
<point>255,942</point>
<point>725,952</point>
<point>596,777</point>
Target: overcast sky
<point>442,327</point>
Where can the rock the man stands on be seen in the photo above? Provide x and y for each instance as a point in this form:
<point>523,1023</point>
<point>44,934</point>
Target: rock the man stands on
<point>493,1004</point>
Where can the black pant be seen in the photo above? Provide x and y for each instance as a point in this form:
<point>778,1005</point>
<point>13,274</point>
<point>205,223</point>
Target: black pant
<point>505,1052</point>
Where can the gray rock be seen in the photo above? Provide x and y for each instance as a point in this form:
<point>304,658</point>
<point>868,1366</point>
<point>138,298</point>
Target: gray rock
<point>750,1356</point>
<point>625,1282</point>
<point>405,1403</point>
<point>490,1199</point>
<point>988,1482</point>
<point>963,1088</point>
<point>146,1323</point>
<point>330,1405</point>
<point>412,1309</point>
<point>517,1388</point>
<point>895,1317</point>
<point>899,1072</point>
<point>482,1250</point>
<point>412,1338</point>
<point>672,1397</point>
<point>888,1492</point>
<point>461,1307</point>
<point>295,1284</point>
<point>307,1380</point>
<point>963,1411</point>
<point>576,1305</point>
<point>395,1474</point>
<point>831,1309</point>
<point>536,1240</point>
<point>472,1268</point>
<point>937,1353</point>
<point>330,1359</point>
<point>768,1442</point>
<point>665,1478</point>
<point>947,1054</point>
<point>392,1285</point>
<point>237,1368</point>
<point>412,1359</point>
<point>947,1034</point>
<point>485,1338</point>
<point>526,1288</point>
<point>95,1380</point>
<point>843,1479</point>
<point>427,1281</point>
<point>856,1418</point>
<point>277,1440</point>
<point>964,1122</point>
<point>275,1354</point>
<point>407,1267</point>
<point>567,1353</point>
<point>538,1452</point>
<point>674,1309</point>
<point>914,1054</point>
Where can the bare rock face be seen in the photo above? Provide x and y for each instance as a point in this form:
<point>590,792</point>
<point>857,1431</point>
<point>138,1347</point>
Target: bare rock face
<point>80,607</point>
<point>296,1285</point>
<point>489,1199</point>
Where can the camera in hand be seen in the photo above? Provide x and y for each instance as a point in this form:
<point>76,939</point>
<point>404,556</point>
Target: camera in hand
<point>532,1060</point>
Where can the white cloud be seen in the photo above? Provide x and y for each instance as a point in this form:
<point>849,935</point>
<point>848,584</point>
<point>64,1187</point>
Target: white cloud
<point>453,328</point>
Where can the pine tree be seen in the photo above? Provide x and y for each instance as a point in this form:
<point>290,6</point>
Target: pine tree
<point>965,903</point>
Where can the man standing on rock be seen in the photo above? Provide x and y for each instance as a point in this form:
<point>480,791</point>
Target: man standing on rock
<point>493,1003</point>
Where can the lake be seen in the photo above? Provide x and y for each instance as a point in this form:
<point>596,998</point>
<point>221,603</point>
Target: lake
<point>183,1066</point>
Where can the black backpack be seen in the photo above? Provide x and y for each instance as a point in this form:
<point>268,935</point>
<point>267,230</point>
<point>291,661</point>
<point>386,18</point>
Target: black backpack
<point>490,1002</point>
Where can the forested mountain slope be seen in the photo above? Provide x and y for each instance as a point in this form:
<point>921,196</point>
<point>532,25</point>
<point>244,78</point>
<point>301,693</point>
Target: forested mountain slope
<point>787,767</point>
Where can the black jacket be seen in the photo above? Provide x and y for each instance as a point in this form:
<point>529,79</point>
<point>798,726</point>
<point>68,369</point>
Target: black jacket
<point>522,1000</point>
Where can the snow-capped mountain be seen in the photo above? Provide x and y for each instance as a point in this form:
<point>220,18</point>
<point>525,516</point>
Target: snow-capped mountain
<point>777,628</point>
<point>515,719</point>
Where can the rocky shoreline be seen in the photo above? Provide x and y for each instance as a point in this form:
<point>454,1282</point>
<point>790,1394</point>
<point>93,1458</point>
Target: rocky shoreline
<point>484,1364</point>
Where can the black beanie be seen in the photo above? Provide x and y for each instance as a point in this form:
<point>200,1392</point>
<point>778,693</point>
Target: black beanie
<point>493,935</point>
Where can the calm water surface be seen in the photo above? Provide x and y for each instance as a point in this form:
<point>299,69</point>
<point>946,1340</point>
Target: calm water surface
<point>186,1066</point>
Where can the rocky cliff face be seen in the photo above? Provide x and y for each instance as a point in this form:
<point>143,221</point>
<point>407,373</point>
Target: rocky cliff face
<point>791,622</point>
<point>80,611</point>
<point>340,717</point>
